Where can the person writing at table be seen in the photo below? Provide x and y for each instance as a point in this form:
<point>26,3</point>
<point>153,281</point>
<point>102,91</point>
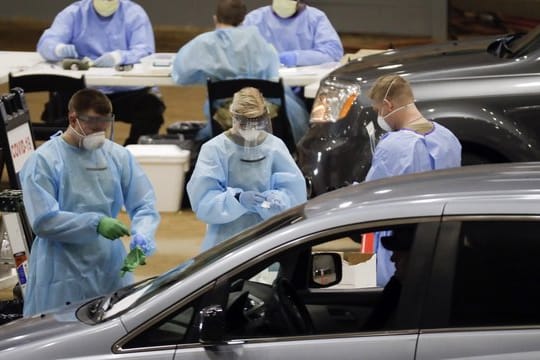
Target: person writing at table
<point>302,34</point>
<point>234,52</point>
<point>110,33</point>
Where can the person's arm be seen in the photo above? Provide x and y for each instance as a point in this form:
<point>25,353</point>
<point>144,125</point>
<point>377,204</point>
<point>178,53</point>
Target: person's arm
<point>211,199</point>
<point>40,185</point>
<point>140,36</point>
<point>327,45</point>
<point>379,168</point>
<point>139,199</point>
<point>191,63</point>
<point>60,32</point>
<point>267,58</point>
<point>287,184</point>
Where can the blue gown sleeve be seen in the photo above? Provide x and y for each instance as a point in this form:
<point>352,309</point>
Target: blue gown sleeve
<point>190,64</point>
<point>140,34</point>
<point>39,184</point>
<point>134,25</point>
<point>327,45</point>
<point>211,199</point>
<point>287,184</point>
<point>60,32</point>
<point>139,200</point>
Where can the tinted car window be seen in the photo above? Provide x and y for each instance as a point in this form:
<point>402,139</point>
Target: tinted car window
<point>497,279</point>
<point>169,331</point>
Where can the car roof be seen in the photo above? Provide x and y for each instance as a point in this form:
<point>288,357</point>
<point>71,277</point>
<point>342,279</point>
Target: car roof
<point>425,194</point>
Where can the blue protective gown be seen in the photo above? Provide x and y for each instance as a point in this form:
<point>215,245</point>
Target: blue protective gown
<point>129,30</point>
<point>309,34</point>
<point>406,152</point>
<point>66,191</point>
<point>219,174</point>
<point>235,53</point>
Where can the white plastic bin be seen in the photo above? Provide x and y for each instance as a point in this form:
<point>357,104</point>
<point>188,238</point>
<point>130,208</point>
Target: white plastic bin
<point>166,166</point>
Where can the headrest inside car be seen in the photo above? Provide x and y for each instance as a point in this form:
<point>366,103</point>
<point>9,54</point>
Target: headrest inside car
<point>401,239</point>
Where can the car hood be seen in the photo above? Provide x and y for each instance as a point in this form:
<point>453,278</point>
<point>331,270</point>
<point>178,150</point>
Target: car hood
<point>438,61</point>
<point>39,328</point>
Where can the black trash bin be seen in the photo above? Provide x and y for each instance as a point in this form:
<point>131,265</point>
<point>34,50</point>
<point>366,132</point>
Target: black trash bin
<point>187,128</point>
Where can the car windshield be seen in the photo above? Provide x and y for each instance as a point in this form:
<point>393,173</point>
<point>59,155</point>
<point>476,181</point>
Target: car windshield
<point>110,306</point>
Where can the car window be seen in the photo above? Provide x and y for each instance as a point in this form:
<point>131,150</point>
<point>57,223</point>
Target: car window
<point>497,278</point>
<point>170,331</point>
<point>327,285</point>
<point>268,275</point>
<point>358,260</point>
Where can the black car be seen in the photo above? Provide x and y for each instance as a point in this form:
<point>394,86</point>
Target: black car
<point>486,91</point>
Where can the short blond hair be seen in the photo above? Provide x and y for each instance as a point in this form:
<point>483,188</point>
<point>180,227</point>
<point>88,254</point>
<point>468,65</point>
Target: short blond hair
<point>398,89</point>
<point>249,103</point>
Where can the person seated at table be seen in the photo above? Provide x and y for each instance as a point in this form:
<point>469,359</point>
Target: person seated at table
<point>234,52</point>
<point>109,33</point>
<point>302,34</point>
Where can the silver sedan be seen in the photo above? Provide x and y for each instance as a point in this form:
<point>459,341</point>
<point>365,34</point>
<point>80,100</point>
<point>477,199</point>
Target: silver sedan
<point>302,285</point>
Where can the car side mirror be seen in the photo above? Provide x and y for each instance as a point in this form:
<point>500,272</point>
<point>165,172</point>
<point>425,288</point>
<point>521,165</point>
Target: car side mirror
<point>326,269</point>
<point>212,325</point>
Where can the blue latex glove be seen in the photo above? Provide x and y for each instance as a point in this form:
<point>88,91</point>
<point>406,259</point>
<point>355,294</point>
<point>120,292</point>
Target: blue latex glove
<point>64,51</point>
<point>251,200</point>
<point>288,58</point>
<point>109,59</point>
<point>275,201</point>
<point>148,247</point>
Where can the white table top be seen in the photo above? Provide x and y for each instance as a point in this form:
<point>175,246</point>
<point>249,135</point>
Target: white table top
<point>142,74</point>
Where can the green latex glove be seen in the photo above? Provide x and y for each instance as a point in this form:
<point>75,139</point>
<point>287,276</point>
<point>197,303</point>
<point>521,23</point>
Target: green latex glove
<point>111,228</point>
<point>133,259</point>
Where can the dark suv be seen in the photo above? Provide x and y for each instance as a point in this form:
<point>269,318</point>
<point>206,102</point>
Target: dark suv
<point>485,90</point>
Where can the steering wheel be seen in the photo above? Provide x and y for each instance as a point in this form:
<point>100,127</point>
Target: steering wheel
<point>292,307</point>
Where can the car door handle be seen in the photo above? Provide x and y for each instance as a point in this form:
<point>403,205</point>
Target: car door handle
<point>342,315</point>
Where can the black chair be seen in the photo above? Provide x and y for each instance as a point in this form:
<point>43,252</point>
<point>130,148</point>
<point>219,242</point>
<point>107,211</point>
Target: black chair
<point>60,89</point>
<point>225,89</point>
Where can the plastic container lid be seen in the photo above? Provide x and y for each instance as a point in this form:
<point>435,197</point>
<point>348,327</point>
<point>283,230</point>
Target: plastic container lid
<point>159,153</point>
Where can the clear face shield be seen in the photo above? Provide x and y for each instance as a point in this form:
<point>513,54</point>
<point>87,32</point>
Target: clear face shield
<point>250,133</point>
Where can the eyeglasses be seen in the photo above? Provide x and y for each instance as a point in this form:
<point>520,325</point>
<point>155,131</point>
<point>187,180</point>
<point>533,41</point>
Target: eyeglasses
<point>103,118</point>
